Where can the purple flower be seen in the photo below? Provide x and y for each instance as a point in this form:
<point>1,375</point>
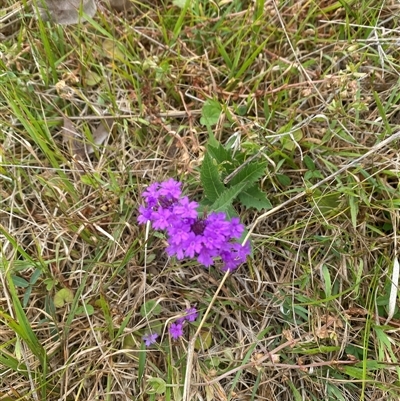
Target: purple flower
<point>191,314</point>
<point>161,219</point>
<point>193,245</point>
<point>188,235</point>
<point>186,208</point>
<point>176,330</point>
<point>150,339</point>
<point>178,233</point>
<point>151,193</point>
<point>171,189</point>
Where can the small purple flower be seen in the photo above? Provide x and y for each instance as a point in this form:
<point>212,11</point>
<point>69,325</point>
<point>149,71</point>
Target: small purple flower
<point>150,339</point>
<point>193,245</point>
<point>171,189</point>
<point>151,192</point>
<point>186,208</point>
<point>145,215</point>
<point>161,219</point>
<point>176,330</point>
<point>191,314</point>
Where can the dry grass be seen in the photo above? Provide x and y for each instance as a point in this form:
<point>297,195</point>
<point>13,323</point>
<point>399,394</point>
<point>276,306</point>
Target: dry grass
<point>314,85</point>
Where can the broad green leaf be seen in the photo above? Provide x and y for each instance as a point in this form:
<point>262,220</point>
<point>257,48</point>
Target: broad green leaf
<point>156,385</point>
<point>309,163</point>
<point>203,341</point>
<point>19,281</point>
<point>254,197</point>
<point>289,141</point>
<point>50,283</point>
<point>219,153</point>
<point>92,78</point>
<point>284,179</point>
<point>150,308</point>
<point>84,309</point>
<point>325,204</point>
<point>63,296</point>
<point>27,294</point>
<point>356,373</point>
<point>210,179</point>
<point>35,275</point>
<point>249,174</point>
<point>210,112</point>
<point>225,200</point>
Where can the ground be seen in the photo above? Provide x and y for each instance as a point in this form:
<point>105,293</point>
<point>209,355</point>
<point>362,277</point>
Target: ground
<point>283,113</point>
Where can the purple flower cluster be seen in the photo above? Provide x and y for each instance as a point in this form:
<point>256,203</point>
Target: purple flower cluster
<point>191,236</point>
<point>176,329</point>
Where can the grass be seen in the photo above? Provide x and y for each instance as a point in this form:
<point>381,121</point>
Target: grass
<point>311,90</point>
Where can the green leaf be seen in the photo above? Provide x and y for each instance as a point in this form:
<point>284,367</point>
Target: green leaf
<point>204,340</point>
<point>84,309</point>
<point>289,142</point>
<point>209,176</point>
<point>210,112</point>
<point>227,197</point>
<point>157,385</point>
<point>249,174</point>
<point>254,197</point>
<point>35,275</point>
<point>309,163</point>
<point>284,179</point>
<point>150,308</point>
<point>63,296</point>
<point>327,280</point>
<point>50,283</point>
<point>220,154</point>
<point>356,373</point>
<point>23,327</point>
<point>19,281</point>
<point>27,294</point>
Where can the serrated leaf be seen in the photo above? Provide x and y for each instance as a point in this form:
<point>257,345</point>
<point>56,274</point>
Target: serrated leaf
<point>249,174</point>
<point>63,296</point>
<point>219,153</point>
<point>209,176</point>
<point>225,200</point>
<point>210,112</point>
<point>254,197</point>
